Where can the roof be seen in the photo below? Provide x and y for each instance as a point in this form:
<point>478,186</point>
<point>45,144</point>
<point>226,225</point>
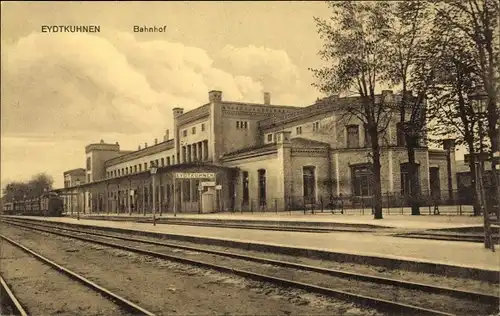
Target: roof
<point>73,171</point>
<point>304,142</point>
<point>251,150</point>
<point>297,142</point>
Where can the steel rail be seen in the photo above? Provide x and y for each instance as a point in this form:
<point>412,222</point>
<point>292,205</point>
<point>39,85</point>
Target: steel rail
<point>14,302</point>
<point>75,276</point>
<point>485,298</point>
<point>386,305</point>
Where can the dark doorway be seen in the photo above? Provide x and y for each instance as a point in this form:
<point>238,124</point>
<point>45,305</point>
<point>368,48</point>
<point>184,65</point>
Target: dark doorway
<point>262,187</point>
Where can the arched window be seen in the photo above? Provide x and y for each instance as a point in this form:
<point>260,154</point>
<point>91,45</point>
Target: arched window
<point>362,179</point>
<point>262,186</point>
<point>245,182</point>
<point>309,183</point>
<point>405,178</point>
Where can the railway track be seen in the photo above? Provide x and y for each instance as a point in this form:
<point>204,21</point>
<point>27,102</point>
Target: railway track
<point>10,303</point>
<point>253,226</point>
<point>125,307</point>
<point>392,295</point>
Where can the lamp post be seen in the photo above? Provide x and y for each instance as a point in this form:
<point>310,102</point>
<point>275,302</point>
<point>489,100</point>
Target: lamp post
<point>153,169</point>
<point>78,199</point>
<point>25,196</point>
<point>478,101</point>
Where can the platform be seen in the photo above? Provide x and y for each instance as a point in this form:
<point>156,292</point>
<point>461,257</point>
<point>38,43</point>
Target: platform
<point>321,219</point>
<point>460,254</point>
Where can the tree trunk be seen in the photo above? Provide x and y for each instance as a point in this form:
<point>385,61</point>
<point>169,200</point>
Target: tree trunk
<point>377,187</point>
<point>411,144</point>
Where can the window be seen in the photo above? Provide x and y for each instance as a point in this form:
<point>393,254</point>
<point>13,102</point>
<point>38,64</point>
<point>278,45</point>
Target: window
<point>195,154</point>
<point>162,162</point>
<point>435,183</point>
<point>262,187</point>
<point>269,137</point>
<point>203,127</point>
<point>400,134</point>
<point>405,178</point>
<point>186,190</point>
<point>367,136</point>
<point>245,187</point>
<point>140,168</point>
<point>135,168</point>
<point>88,163</point>
<point>195,192</point>
<point>145,166</point>
<point>352,136</point>
<point>242,124</point>
<point>168,161</point>
<point>298,130</point>
<point>184,152</point>
<point>188,153</point>
<point>193,130</point>
<point>309,183</point>
<point>185,133</point>
<point>315,127</point>
<point>205,150</point>
<point>362,178</point>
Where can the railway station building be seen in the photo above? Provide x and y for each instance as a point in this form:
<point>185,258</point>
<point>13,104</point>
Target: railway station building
<point>234,156</point>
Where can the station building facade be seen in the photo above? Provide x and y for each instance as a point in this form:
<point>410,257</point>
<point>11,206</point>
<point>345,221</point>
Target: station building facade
<point>237,156</point>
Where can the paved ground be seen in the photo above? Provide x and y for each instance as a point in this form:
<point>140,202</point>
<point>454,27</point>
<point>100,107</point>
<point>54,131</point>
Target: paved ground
<point>444,252</point>
<point>392,220</point>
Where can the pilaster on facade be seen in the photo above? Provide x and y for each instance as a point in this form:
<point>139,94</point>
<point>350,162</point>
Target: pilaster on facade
<point>283,168</point>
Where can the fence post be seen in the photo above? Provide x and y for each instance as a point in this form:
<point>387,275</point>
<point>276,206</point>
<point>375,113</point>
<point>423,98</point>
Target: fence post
<point>341,204</point>
<point>276,205</point>
<point>304,203</point>
<point>363,205</point>
<point>388,204</point>
<point>251,206</point>
<point>321,201</point>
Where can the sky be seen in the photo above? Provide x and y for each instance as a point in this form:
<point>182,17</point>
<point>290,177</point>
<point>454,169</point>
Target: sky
<point>62,91</point>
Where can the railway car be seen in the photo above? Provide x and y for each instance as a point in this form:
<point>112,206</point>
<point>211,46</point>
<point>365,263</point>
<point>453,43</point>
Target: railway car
<point>49,204</point>
<point>8,208</point>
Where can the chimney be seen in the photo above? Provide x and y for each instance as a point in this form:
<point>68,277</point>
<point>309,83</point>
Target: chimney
<point>215,96</point>
<point>267,98</point>
<point>139,147</point>
<point>102,141</point>
<point>117,144</point>
<point>177,112</point>
<point>156,141</point>
<point>167,134</point>
<point>145,145</point>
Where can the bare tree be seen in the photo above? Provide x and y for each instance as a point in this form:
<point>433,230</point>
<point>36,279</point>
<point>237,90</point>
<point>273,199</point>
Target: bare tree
<point>450,110</point>
<point>478,22</point>
<point>407,67</point>
<point>356,56</point>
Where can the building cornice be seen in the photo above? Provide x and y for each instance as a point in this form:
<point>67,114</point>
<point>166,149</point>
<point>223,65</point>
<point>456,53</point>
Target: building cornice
<point>194,115</point>
<point>163,146</point>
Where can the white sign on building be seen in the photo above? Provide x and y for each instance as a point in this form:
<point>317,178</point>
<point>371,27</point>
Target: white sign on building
<point>195,175</point>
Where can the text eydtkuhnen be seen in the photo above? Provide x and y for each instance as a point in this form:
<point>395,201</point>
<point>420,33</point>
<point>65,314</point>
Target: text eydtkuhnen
<point>71,28</point>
